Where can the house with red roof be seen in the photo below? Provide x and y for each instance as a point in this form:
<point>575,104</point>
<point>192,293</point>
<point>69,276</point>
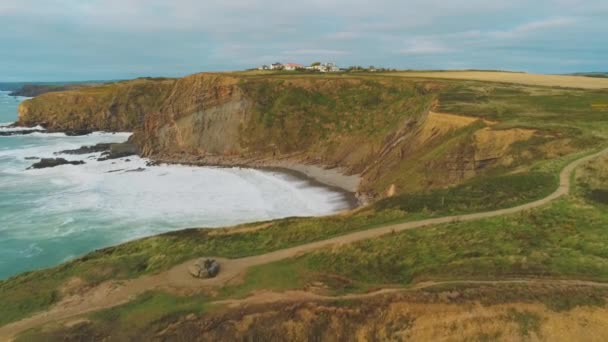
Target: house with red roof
<point>292,66</point>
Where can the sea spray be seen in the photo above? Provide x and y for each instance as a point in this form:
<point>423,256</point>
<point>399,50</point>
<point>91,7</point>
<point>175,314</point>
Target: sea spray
<point>51,215</point>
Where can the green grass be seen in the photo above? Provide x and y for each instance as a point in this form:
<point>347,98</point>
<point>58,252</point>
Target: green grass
<point>23,295</point>
<point>313,114</point>
<point>566,239</point>
<point>149,308</point>
<point>498,247</point>
<point>562,240</point>
<point>112,107</point>
<point>564,113</point>
<point>35,291</point>
<point>130,321</point>
<point>480,194</point>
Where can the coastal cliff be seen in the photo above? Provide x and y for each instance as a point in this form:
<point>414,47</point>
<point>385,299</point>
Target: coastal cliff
<point>118,106</point>
<point>344,122</point>
<point>380,129</point>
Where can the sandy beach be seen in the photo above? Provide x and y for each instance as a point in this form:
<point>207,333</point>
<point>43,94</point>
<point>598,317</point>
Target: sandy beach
<point>334,178</point>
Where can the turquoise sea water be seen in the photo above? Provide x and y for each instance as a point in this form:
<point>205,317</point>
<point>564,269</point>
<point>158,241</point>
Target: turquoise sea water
<point>51,215</point>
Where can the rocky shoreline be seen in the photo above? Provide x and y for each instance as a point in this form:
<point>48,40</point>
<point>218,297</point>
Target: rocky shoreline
<point>331,178</point>
<point>15,129</point>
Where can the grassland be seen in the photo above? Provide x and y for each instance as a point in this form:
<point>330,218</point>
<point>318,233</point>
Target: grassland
<point>564,81</point>
<point>560,241</point>
<point>318,114</point>
<point>566,239</point>
<point>34,291</point>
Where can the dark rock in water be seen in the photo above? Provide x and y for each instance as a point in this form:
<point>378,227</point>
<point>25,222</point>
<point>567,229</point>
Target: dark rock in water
<point>21,132</point>
<point>113,171</point>
<point>122,150</point>
<point>78,132</point>
<point>139,169</point>
<point>52,162</point>
<point>118,151</point>
<point>127,160</point>
<point>31,158</point>
<point>152,163</point>
<point>87,149</point>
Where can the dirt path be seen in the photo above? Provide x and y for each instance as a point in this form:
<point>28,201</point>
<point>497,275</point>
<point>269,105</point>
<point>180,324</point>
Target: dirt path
<point>267,297</point>
<point>178,279</point>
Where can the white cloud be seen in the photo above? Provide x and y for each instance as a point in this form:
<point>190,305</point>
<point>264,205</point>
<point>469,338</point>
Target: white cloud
<point>343,35</point>
<point>218,34</point>
<point>533,27</point>
<point>420,46</point>
<point>315,52</point>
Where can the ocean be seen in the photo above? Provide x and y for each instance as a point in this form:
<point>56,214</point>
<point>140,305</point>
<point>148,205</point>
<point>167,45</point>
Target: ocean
<point>49,216</point>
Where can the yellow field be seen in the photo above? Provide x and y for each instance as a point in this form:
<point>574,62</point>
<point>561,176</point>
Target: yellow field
<point>512,77</point>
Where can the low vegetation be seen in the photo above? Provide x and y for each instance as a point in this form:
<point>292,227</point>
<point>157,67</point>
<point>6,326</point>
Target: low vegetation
<point>565,239</point>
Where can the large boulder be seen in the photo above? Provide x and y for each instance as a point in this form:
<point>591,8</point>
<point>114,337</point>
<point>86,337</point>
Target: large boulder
<point>78,132</point>
<point>20,132</point>
<point>101,147</point>
<point>119,151</point>
<point>204,268</point>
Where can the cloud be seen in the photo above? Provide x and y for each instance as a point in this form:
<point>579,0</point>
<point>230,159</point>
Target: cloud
<point>128,37</point>
<point>315,52</point>
<point>418,46</point>
<point>533,27</point>
<point>343,35</point>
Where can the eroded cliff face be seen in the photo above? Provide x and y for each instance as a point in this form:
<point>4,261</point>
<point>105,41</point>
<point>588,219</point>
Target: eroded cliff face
<point>378,128</point>
<point>114,107</point>
<point>202,115</point>
<point>334,122</point>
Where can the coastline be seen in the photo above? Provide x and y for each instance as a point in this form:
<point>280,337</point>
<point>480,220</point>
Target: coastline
<point>350,197</point>
<point>331,178</point>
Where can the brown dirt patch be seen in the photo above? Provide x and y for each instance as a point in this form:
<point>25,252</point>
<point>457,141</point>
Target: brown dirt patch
<point>439,124</point>
<point>494,144</point>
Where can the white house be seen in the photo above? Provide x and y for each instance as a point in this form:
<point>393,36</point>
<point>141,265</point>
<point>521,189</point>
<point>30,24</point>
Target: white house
<point>326,67</point>
<point>276,66</point>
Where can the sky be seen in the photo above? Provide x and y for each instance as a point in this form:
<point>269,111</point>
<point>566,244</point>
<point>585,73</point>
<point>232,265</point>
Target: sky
<point>68,40</point>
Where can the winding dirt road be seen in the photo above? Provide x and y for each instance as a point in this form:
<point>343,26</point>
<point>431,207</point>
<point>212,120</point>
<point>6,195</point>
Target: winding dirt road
<point>178,279</point>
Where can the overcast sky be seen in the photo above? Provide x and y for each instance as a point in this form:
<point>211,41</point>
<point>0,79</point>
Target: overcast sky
<point>111,39</point>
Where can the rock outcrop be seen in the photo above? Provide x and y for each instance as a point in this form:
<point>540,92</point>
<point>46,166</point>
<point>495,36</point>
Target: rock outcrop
<point>120,150</point>
<point>118,106</point>
<point>378,128</point>
<point>102,147</point>
<point>52,162</point>
<point>345,122</point>
<point>32,90</point>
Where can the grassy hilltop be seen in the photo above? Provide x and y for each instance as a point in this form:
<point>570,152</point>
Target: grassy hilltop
<point>445,146</point>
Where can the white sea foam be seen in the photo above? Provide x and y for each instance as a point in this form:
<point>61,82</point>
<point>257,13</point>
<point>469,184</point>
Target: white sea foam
<point>71,209</point>
<point>6,128</point>
<point>183,196</point>
<point>31,251</point>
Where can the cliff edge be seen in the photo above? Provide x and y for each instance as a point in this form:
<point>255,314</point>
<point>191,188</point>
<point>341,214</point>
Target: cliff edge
<point>377,128</point>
